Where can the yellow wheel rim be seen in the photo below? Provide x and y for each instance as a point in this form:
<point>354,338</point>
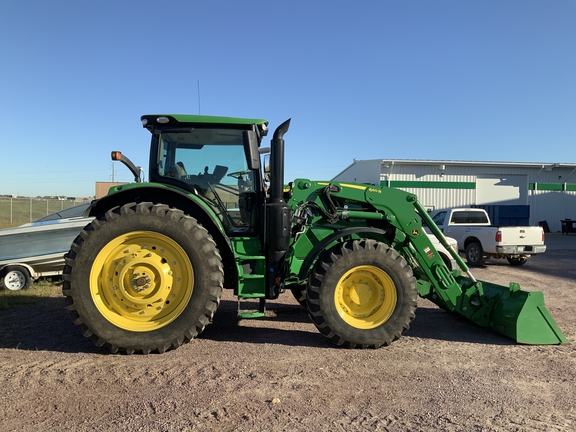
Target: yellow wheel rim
<point>365,297</point>
<point>141,281</point>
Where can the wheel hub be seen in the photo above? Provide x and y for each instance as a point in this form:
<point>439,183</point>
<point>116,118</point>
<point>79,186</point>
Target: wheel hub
<point>360,293</point>
<point>14,280</point>
<point>141,282</point>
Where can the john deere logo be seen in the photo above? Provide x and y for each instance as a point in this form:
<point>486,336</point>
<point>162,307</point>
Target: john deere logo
<point>414,232</point>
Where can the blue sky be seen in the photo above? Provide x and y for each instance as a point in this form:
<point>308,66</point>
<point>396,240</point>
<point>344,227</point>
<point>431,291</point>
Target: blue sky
<point>486,80</point>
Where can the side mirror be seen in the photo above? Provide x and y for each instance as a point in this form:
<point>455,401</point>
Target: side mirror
<point>251,146</point>
<point>267,167</point>
<point>118,156</point>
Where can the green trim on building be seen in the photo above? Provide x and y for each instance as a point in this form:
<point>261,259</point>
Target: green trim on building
<point>429,184</point>
<point>551,187</point>
<point>470,185</point>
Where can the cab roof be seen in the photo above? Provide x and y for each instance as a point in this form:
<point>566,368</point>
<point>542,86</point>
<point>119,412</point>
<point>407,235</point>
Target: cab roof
<point>174,119</point>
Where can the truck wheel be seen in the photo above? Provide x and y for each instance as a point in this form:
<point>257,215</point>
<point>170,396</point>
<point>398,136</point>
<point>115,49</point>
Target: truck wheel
<point>517,261</point>
<point>474,254</point>
<point>362,294</point>
<point>143,278</point>
<point>15,277</point>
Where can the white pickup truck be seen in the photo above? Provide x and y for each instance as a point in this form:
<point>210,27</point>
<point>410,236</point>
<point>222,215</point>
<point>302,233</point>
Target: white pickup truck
<point>480,240</point>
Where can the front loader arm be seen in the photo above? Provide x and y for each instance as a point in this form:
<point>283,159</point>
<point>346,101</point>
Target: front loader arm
<point>518,314</point>
<point>402,210</point>
<point>396,209</point>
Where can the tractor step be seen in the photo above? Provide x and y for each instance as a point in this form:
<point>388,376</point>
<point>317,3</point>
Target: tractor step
<point>261,312</point>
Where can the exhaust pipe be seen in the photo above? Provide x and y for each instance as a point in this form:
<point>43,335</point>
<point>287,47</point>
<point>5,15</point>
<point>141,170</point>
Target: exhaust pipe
<point>277,161</point>
<point>278,215</point>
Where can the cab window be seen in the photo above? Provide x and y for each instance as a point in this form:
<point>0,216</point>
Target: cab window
<point>212,164</point>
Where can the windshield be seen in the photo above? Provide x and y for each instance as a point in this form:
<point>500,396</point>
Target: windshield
<point>212,163</point>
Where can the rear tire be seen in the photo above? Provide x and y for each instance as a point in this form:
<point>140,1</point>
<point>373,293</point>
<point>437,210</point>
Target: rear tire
<point>143,278</point>
<point>475,254</point>
<point>15,277</point>
<point>362,294</point>
<point>517,262</point>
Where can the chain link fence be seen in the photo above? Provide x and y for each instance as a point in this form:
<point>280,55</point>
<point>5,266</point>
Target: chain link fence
<point>18,211</point>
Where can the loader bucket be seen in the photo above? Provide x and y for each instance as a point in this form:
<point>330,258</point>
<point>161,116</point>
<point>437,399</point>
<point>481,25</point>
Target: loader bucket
<point>518,314</point>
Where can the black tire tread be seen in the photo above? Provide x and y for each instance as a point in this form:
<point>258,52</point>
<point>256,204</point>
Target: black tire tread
<point>517,262</point>
<point>315,288</point>
<point>471,262</point>
<point>157,213</point>
<point>299,293</point>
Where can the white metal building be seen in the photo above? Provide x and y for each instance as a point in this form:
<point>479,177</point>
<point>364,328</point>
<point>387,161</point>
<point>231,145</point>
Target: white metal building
<point>548,189</point>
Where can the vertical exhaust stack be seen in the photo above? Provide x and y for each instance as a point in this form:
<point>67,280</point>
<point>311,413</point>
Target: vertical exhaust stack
<point>277,162</point>
<point>278,217</point>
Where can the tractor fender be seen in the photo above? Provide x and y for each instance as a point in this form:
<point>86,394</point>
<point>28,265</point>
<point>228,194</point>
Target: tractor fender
<point>322,245</point>
<point>188,203</point>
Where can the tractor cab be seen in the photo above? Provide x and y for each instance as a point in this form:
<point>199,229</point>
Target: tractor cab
<point>216,159</point>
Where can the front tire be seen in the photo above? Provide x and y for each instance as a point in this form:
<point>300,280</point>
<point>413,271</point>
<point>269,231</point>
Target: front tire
<point>15,277</point>
<point>299,293</point>
<point>362,294</point>
<point>143,278</point>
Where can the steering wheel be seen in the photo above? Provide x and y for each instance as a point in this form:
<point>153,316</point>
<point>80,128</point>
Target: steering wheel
<point>238,174</point>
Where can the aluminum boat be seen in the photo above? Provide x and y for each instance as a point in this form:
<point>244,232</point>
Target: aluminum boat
<point>37,248</point>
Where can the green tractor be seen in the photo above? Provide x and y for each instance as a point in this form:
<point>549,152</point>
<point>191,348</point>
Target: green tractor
<point>146,275</point>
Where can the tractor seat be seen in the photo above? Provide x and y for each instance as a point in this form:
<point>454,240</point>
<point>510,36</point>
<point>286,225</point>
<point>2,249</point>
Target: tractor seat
<point>180,170</point>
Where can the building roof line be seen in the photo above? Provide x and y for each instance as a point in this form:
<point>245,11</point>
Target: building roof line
<point>464,163</point>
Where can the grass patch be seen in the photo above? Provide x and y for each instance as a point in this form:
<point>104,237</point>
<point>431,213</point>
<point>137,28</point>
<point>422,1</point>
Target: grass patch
<point>42,288</point>
<point>8,225</point>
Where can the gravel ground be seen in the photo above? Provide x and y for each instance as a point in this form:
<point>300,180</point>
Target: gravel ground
<point>280,374</point>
